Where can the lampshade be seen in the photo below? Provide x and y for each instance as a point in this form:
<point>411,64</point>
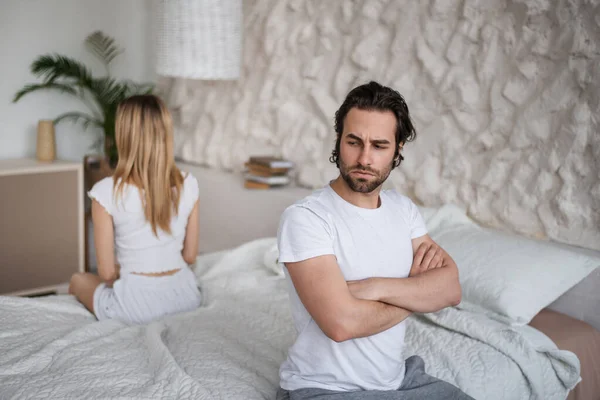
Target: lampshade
<point>198,39</point>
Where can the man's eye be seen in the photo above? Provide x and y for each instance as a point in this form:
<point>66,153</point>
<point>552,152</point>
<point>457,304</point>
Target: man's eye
<point>352,143</point>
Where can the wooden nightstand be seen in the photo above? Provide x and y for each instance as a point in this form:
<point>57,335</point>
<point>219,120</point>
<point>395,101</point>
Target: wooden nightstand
<point>41,225</point>
<point>95,168</point>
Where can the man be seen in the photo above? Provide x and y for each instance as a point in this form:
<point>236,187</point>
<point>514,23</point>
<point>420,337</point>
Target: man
<point>348,251</point>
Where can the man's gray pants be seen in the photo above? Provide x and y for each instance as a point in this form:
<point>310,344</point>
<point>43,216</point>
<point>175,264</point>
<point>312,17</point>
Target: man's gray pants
<point>417,385</point>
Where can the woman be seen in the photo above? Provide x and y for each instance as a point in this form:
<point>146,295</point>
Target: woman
<point>148,212</point>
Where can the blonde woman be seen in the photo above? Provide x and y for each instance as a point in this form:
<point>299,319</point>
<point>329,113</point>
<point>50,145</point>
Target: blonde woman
<point>148,213</point>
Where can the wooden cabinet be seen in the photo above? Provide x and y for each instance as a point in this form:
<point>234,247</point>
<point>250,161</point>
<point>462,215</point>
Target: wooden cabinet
<point>41,225</point>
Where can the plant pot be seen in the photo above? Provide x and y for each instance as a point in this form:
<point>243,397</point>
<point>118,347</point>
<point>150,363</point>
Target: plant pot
<point>110,150</point>
<point>96,168</point>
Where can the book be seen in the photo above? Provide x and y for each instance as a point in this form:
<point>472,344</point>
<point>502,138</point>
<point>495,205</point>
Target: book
<point>261,170</point>
<point>271,162</point>
<point>269,180</point>
<point>256,185</point>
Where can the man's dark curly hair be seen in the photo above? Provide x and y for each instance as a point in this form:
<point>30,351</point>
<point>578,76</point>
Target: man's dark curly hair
<point>373,96</point>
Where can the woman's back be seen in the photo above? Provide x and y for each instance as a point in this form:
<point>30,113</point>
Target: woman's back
<point>146,213</point>
<point>138,248</point>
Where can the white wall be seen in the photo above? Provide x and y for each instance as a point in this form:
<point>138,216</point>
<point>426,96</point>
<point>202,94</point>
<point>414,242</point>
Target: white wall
<point>504,94</point>
<point>29,28</point>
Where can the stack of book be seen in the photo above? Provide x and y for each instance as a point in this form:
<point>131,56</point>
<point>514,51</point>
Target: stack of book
<point>267,172</point>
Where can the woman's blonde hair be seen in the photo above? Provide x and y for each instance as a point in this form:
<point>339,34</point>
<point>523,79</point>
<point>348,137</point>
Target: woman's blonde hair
<point>144,138</point>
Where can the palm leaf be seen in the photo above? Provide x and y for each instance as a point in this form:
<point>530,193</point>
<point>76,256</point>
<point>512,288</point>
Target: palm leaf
<point>44,86</point>
<point>102,95</point>
<point>108,92</point>
<point>103,47</point>
<point>76,117</point>
<point>138,88</point>
<point>51,67</point>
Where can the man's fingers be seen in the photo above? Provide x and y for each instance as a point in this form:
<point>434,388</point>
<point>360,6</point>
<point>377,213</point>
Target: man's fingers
<point>437,260</point>
<point>429,256</point>
<point>423,247</point>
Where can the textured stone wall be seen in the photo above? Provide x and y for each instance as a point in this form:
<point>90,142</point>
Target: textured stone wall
<point>505,95</point>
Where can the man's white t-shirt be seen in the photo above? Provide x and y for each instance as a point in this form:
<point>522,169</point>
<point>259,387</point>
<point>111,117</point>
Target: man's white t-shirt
<point>367,243</point>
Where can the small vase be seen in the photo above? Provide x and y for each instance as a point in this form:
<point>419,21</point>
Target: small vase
<point>46,141</point>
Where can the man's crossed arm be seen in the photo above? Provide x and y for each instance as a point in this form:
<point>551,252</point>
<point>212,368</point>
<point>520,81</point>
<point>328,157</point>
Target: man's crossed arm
<point>340,315</point>
<point>348,310</point>
<point>431,285</point>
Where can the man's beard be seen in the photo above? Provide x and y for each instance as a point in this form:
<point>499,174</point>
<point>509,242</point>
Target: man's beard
<point>362,185</point>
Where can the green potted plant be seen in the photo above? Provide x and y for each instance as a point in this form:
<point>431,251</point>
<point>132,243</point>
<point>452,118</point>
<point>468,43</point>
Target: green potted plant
<point>101,95</point>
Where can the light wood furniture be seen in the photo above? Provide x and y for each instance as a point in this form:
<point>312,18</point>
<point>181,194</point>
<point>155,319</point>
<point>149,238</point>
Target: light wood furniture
<point>95,168</point>
<point>41,225</point>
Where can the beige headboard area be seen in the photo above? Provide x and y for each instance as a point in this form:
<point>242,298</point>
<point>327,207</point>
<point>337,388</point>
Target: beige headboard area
<point>231,215</point>
<point>582,302</point>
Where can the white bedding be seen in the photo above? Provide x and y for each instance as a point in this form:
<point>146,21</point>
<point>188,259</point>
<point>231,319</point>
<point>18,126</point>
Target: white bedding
<point>231,349</point>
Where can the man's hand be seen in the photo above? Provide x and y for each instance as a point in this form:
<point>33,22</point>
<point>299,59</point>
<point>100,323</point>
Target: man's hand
<point>427,257</point>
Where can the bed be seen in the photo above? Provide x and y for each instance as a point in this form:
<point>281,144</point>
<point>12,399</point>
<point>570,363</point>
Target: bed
<point>515,342</point>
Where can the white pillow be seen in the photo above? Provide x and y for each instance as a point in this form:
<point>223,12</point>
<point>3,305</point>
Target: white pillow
<point>445,216</point>
<point>426,212</point>
<point>509,275</point>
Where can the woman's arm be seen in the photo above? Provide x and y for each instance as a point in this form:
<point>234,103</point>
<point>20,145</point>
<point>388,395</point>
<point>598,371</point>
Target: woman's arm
<point>104,241</point>
<point>192,233</point>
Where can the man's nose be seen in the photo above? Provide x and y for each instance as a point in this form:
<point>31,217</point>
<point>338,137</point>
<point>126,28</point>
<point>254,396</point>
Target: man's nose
<point>365,156</point>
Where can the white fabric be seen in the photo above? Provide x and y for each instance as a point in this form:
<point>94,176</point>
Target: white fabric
<point>366,243</point>
<point>140,299</point>
<point>581,301</point>
<point>137,248</point>
<point>231,349</point>
<point>511,277</point>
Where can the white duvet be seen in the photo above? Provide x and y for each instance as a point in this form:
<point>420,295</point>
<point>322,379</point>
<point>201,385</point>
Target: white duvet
<point>52,348</point>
